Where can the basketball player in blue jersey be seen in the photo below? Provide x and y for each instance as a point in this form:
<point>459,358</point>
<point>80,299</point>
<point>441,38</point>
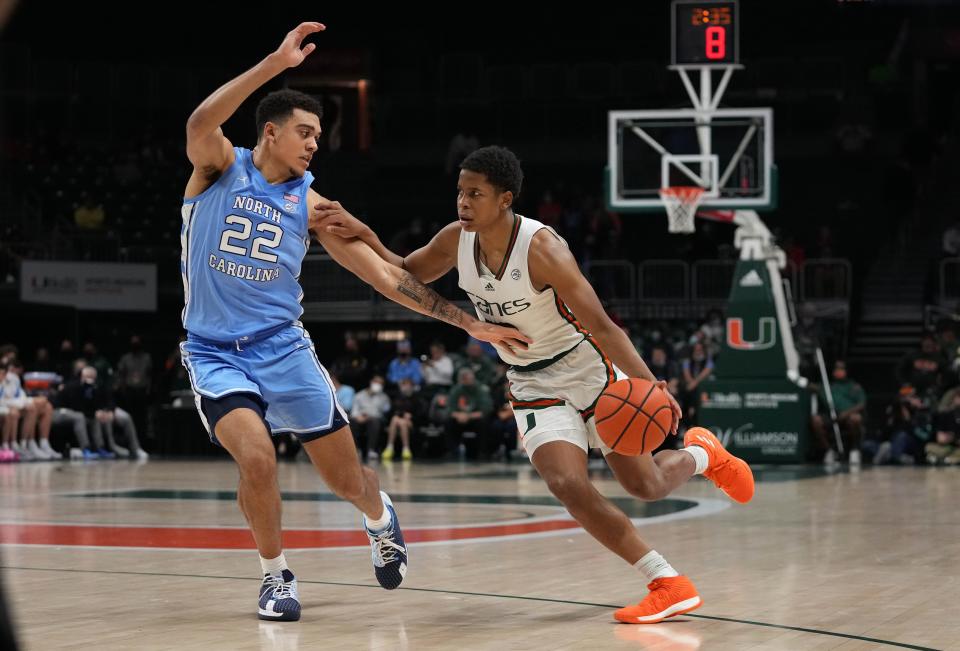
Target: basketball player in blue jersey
<point>518,271</point>
<point>247,219</point>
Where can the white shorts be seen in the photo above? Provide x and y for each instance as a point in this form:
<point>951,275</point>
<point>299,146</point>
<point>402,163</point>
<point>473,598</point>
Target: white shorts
<point>16,403</point>
<point>556,403</point>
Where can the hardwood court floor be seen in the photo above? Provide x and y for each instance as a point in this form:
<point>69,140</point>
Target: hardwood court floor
<point>114,555</point>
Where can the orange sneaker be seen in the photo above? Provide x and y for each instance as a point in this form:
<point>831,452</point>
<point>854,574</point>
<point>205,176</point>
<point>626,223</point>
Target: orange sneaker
<point>668,596</point>
<point>731,474</point>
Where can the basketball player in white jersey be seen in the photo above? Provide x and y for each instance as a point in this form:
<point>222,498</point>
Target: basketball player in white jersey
<point>519,272</point>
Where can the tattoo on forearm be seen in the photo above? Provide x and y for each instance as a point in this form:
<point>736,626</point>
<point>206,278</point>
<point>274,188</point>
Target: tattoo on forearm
<point>431,302</point>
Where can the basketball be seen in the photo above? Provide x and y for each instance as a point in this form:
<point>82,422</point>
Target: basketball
<point>633,416</point>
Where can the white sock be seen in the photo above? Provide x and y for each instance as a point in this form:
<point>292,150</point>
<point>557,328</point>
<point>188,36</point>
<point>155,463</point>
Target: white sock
<point>274,566</point>
<point>699,457</point>
<point>654,566</point>
<point>381,524</point>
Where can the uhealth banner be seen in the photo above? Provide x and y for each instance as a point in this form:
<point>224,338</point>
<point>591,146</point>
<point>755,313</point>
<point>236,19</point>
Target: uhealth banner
<point>90,285</point>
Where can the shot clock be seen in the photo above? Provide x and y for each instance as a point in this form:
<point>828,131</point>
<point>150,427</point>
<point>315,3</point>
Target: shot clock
<point>704,33</point>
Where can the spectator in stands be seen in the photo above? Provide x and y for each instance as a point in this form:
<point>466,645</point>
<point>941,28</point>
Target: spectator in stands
<point>8,353</point>
<point>65,356</point>
<point>850,403</point>
<point>943,448</point>
<point>503,432</point>
<point>807,337</point>
<point>713,346</point>
<point>176,380</point>
<point>696,368</point>
<point>101,363</point>
<point>36,417</point>
<point>134,381</point>
<point>437,369</point>
<point>370,407</point>
<point>89,215</point>
<point>42,361</point>
<point>345,393</point>
<point>351,367</point>
<point>404,366</point>
<point>949,401</point>
<point>499,389</point>
<point>947,341</point>
<point>407,412</point>
<point>909,423</point>
<point>434,429</point>
<point>63,415</point>
<point>922,369</point>
<point>97,405</point>
<point>715,328</point>
<point>480,364</point>
<point>663,368</point>
<point>11,422</point>
<point>470,410</point>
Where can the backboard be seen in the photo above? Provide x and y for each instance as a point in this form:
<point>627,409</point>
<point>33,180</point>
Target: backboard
<point>727,152</point>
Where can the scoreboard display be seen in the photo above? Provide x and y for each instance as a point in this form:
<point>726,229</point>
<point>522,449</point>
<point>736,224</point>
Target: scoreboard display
<point>704,33</point>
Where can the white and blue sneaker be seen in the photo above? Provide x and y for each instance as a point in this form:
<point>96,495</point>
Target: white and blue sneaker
<point>279,600</point>
<point>388,549</point>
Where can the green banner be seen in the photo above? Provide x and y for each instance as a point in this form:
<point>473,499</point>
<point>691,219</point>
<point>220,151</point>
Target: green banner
<point>760,421</point>
<point>753,347</point>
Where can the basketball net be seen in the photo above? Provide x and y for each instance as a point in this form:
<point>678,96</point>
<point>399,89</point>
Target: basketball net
<point>681,203</point>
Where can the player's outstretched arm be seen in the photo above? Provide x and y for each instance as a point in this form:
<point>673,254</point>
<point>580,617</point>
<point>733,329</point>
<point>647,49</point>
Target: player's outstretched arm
<point>551,263</point>
<point>427,263</point>
<point>401,287</point>
<point>207,148</point>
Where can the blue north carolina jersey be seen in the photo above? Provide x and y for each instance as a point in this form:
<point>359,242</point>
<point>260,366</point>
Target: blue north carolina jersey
<point>243,241</point>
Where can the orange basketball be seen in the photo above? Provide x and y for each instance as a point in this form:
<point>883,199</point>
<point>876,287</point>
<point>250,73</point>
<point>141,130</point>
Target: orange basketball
<point>633,416</point>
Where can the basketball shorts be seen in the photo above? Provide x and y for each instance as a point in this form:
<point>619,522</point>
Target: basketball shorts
<point>556,403</point>
<point>282,369</point>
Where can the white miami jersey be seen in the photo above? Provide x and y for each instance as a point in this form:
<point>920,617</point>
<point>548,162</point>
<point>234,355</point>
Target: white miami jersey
<point>506,296</point>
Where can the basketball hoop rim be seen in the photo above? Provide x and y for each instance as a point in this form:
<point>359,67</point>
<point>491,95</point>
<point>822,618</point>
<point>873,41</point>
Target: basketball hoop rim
<point>680,202</point>
<point>683,192</point>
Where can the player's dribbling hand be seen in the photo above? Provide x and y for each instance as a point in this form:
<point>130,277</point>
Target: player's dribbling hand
<point>510,339</point>
<point>334,218</point>
<point>290,53</point>
<point>674,406</point>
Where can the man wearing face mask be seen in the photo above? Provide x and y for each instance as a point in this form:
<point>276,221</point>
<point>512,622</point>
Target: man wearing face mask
<point>404,366</point>
<point>99,362</point>
<point>370,407</point>
<point>850,402</point>
<point>81,394</point>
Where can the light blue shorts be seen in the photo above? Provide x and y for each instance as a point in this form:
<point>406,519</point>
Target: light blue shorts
<point>281,368</point>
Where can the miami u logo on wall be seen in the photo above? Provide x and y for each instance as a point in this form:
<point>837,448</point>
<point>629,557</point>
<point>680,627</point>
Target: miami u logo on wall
<point>767,339</point>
